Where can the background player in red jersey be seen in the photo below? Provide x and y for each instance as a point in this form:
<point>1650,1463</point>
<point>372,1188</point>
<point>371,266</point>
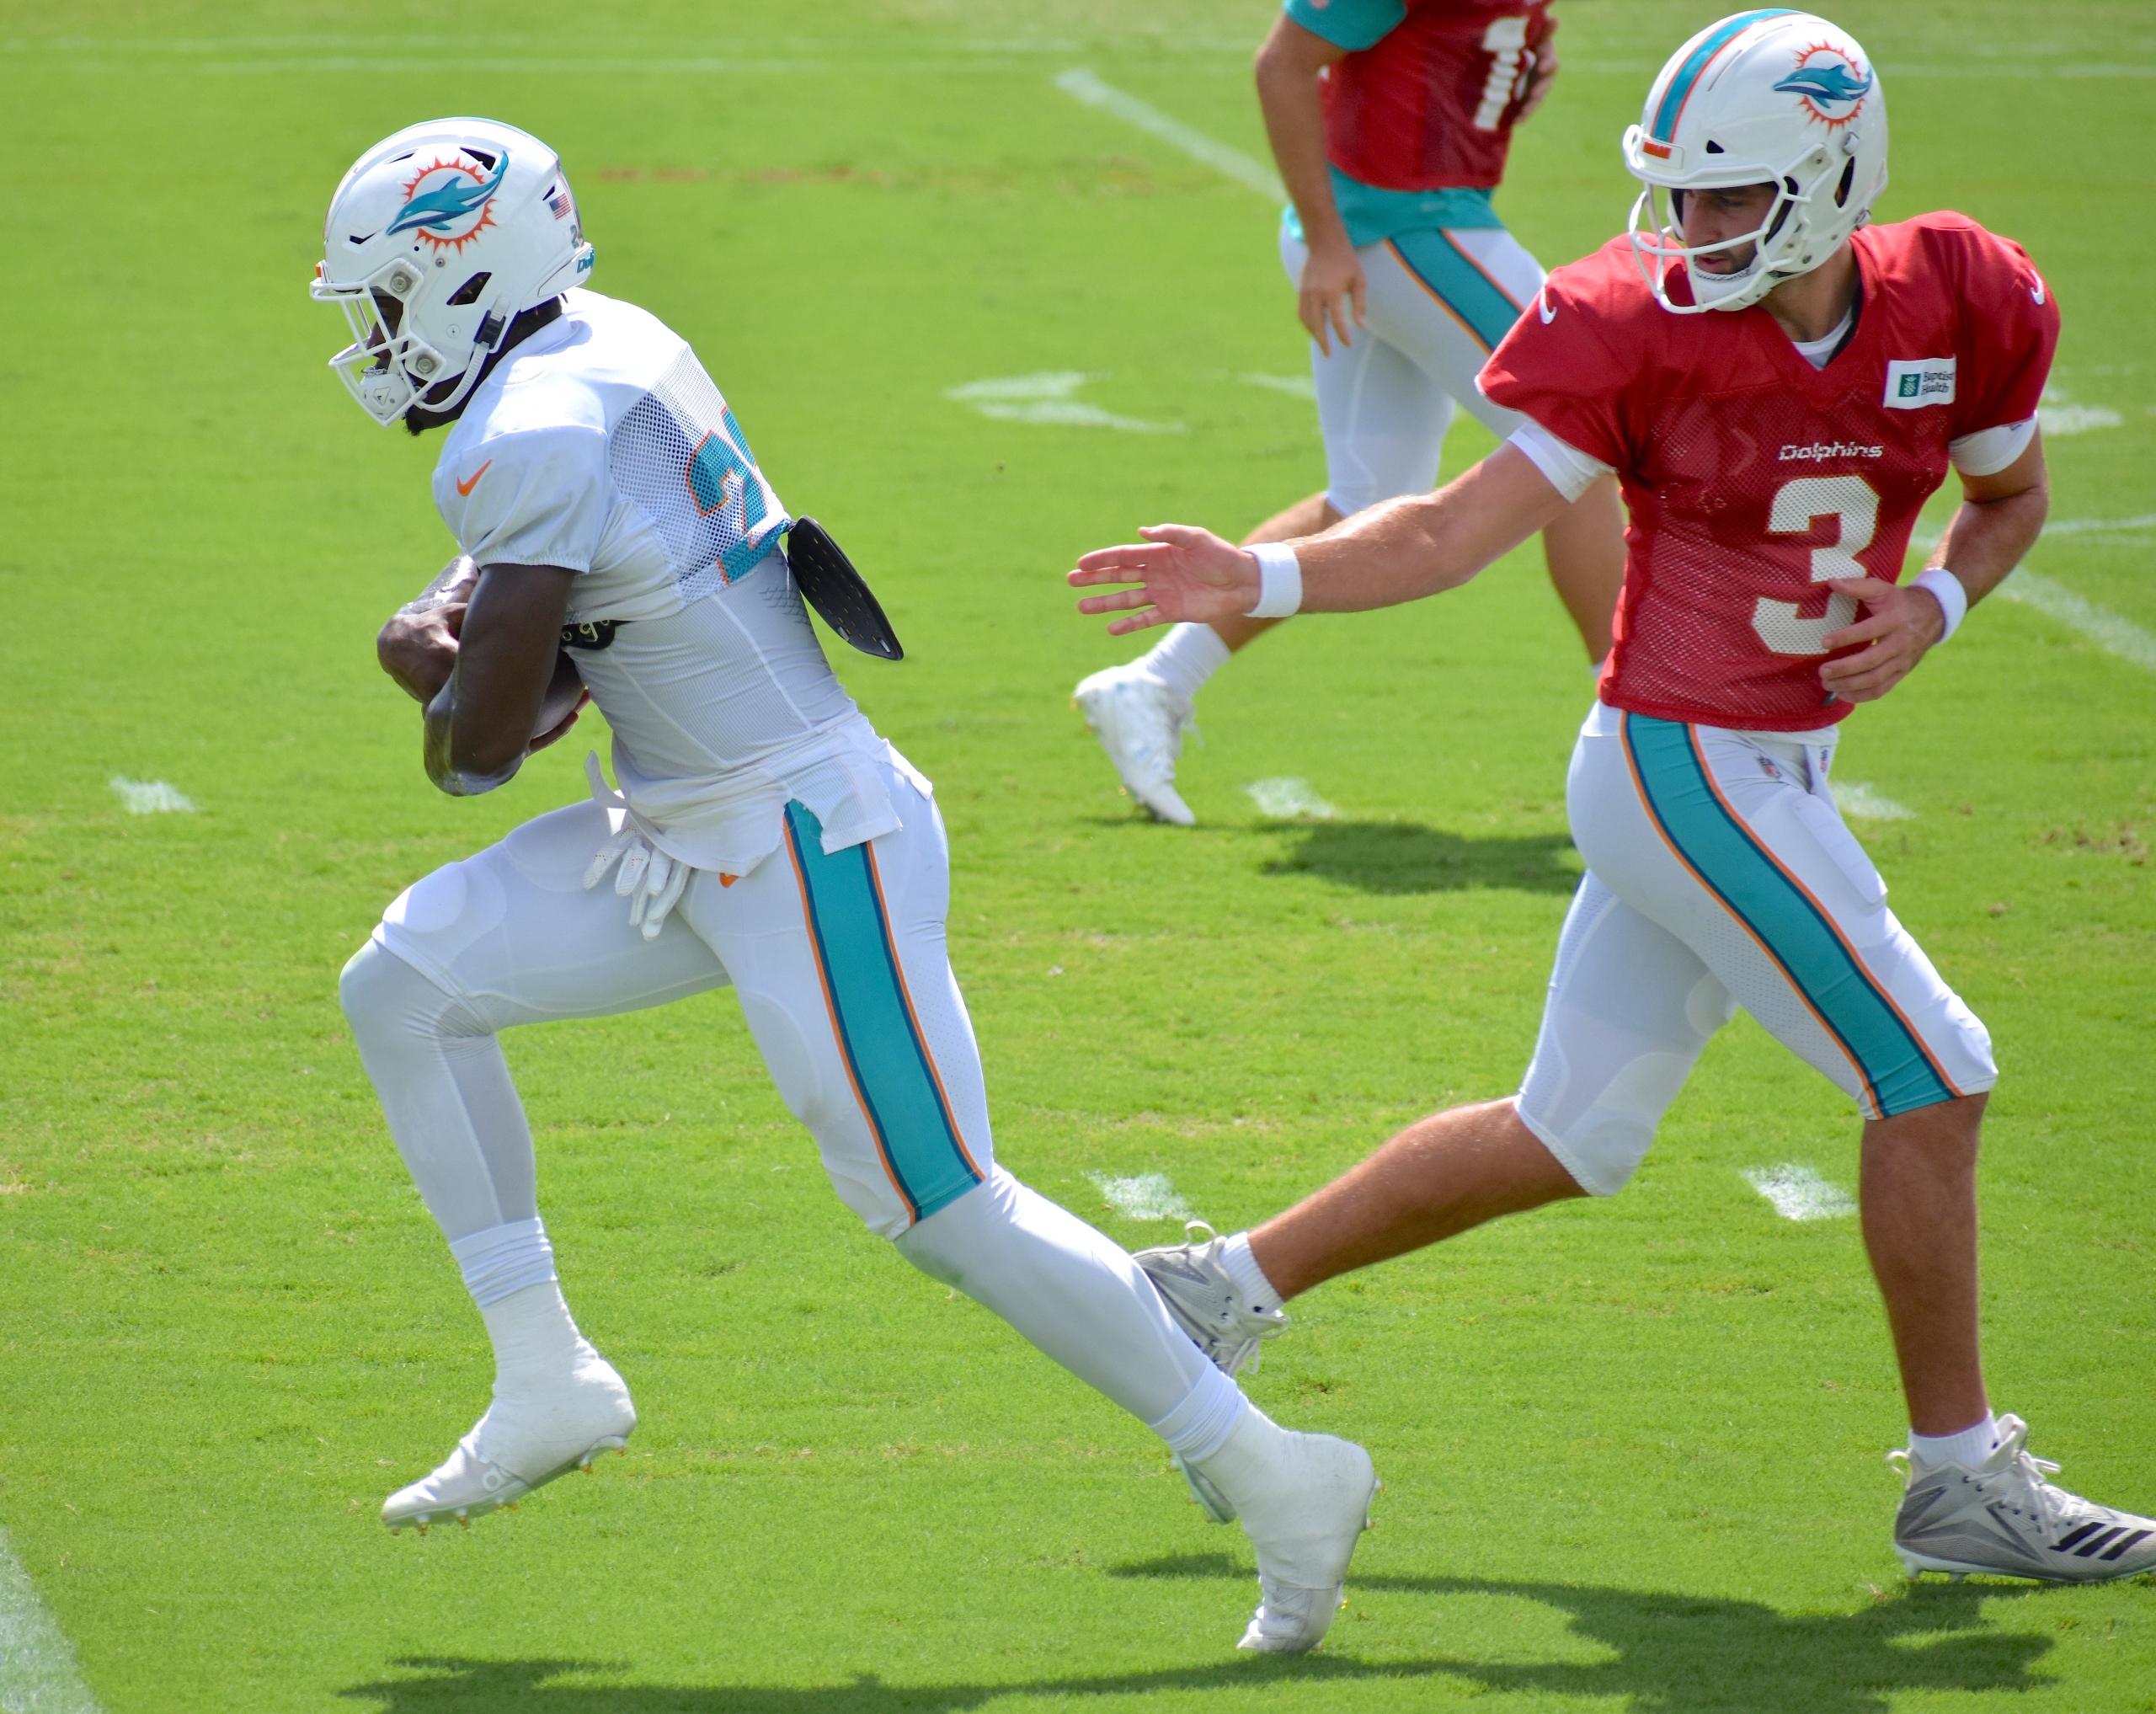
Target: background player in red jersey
<point>1390,120</point>
<point>1774,457</point>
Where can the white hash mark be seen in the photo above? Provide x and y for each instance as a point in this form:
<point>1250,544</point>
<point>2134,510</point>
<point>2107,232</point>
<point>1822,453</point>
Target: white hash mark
<point>2058,419</point>
<point>1799,1192</point>
<point>1149,1196</point>
<point>1867,803</point>
<point>151,797</point>
<point>1283,800</point>
<point>1046,397</point>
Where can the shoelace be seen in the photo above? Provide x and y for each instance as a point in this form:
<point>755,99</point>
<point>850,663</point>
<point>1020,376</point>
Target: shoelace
<point>2052,1508</point>
<point>1249,1349</point>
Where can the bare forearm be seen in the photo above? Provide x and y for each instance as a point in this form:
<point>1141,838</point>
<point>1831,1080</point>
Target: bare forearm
<point>1414,546</point>
<point>417,647</point>
<point>1986,539</point>
<point>1290,97</point>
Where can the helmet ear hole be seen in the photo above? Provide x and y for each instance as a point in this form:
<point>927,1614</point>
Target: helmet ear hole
<point>1842,189</point>
<point>469,292</point>
<point>1715,148</point>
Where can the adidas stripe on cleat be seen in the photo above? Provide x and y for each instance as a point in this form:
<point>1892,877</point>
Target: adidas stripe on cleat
<point>2003,1519</point>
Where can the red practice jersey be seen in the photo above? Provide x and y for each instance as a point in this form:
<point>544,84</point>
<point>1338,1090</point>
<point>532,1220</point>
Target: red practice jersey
<point>1430,103</point>
<point>1750,477</point>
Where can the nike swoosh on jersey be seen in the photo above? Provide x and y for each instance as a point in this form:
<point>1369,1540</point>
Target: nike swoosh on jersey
<point>466,487</point>
<point>1542,303</point>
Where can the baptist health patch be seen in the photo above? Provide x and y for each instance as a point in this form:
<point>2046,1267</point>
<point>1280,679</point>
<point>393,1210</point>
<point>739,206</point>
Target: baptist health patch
<point>1912,385</point>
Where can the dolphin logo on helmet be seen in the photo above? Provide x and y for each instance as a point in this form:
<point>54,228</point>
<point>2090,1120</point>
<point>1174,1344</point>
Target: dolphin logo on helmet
<point>435,210</point>
<point>1830,88</point>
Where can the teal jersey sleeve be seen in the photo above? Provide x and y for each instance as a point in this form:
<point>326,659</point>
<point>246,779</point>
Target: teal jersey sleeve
<point>1352,24</point>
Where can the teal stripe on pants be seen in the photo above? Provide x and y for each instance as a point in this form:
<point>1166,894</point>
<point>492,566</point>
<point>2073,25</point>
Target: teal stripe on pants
<point>1463,288</point>
<point>877,1031</point>
<point>1796,931</point>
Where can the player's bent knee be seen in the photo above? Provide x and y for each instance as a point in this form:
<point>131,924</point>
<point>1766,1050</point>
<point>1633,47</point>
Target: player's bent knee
<point>1601,1139</point>
<point>385,999</point>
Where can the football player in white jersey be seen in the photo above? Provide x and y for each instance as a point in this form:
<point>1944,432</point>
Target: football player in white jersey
<point>604,497</point>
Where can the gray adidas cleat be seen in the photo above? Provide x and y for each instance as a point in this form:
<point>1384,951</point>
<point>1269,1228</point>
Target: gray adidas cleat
<point>1194,1283</point>
<point>1139,720</point>
<point>2004,1519</point>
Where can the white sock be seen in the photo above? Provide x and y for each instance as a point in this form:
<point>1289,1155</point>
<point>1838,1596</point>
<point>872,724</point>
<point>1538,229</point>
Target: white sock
<point>1200,1425</point>
<point>537,1344</point>
<point>1258,1292</point>
<point>502,1259</point>
<point>1187,656</point>
<point>1968,1449</point>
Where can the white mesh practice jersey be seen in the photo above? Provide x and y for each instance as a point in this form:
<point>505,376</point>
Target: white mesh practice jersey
<point>600,445</point>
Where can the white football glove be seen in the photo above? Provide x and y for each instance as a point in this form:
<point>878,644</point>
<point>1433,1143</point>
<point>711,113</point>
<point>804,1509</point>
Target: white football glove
<point>650,880</point>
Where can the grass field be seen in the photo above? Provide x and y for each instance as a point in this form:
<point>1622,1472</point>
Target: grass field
<point>1633,1449</point>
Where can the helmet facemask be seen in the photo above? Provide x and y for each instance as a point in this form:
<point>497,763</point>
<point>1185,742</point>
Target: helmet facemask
<point>437,241</point>
<point>1786,244</point>
<point>1784,99</point>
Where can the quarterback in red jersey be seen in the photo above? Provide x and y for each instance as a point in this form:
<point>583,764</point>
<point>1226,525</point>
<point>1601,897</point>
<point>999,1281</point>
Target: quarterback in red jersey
<point>1390,120</point>
<point>1778,385</point>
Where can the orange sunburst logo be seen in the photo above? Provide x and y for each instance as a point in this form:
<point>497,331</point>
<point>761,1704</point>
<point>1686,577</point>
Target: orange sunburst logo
<point>449,203</point>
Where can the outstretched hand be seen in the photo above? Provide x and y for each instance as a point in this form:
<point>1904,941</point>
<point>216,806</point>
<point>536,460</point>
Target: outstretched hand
<point>1183,573</point>
<point>1900,623</point>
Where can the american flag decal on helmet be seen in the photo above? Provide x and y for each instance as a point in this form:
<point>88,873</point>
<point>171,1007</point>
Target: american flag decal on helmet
<point>561,205</point>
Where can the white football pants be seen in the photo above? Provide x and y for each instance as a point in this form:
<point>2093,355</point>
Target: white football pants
<point>1719,874</point>
<point>841,966</point>
<point>1438,304</point>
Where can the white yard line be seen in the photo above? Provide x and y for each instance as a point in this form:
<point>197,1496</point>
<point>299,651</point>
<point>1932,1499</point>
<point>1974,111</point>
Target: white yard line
<point>1867,803</point>
<point>2107,630</point>
<point>1253,174</point>
<point>38,1673</point>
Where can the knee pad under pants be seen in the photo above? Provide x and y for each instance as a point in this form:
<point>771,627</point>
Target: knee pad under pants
<point>839,958</point>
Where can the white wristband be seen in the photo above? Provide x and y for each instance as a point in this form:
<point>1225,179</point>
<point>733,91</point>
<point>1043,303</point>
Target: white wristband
<point>1947,590</point>
<point>1279,580</point>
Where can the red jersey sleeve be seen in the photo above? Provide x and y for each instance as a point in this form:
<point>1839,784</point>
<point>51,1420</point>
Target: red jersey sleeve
<point>1559,365</point>
<point>2009,326</point>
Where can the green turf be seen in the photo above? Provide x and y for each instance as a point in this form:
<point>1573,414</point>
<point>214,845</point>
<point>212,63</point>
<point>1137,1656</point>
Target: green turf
<point>1631,1449</point>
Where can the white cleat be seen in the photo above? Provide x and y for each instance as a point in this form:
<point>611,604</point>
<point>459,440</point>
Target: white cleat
<point>2003,1519</point>
<point>1304,1501</point>
<point>1195,1285</point>
<point>522,1443</point>
<point>1139,720</point>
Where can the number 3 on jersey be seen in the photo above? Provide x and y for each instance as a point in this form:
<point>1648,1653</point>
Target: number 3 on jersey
<point>1849,498</point>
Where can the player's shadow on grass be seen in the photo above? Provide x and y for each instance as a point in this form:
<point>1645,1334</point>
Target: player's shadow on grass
<point>1406,856</point>
<point>1678,1654</point>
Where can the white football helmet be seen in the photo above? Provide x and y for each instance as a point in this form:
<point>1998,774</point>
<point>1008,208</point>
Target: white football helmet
<point>1764,97</point>
<point>437,239</point>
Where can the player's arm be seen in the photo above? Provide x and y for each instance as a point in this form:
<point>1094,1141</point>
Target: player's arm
<point>509,666</point>
<point>1289,94</point>
<point>417,647</point>
<point>1998,521</point>
<point>1397,552</point>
